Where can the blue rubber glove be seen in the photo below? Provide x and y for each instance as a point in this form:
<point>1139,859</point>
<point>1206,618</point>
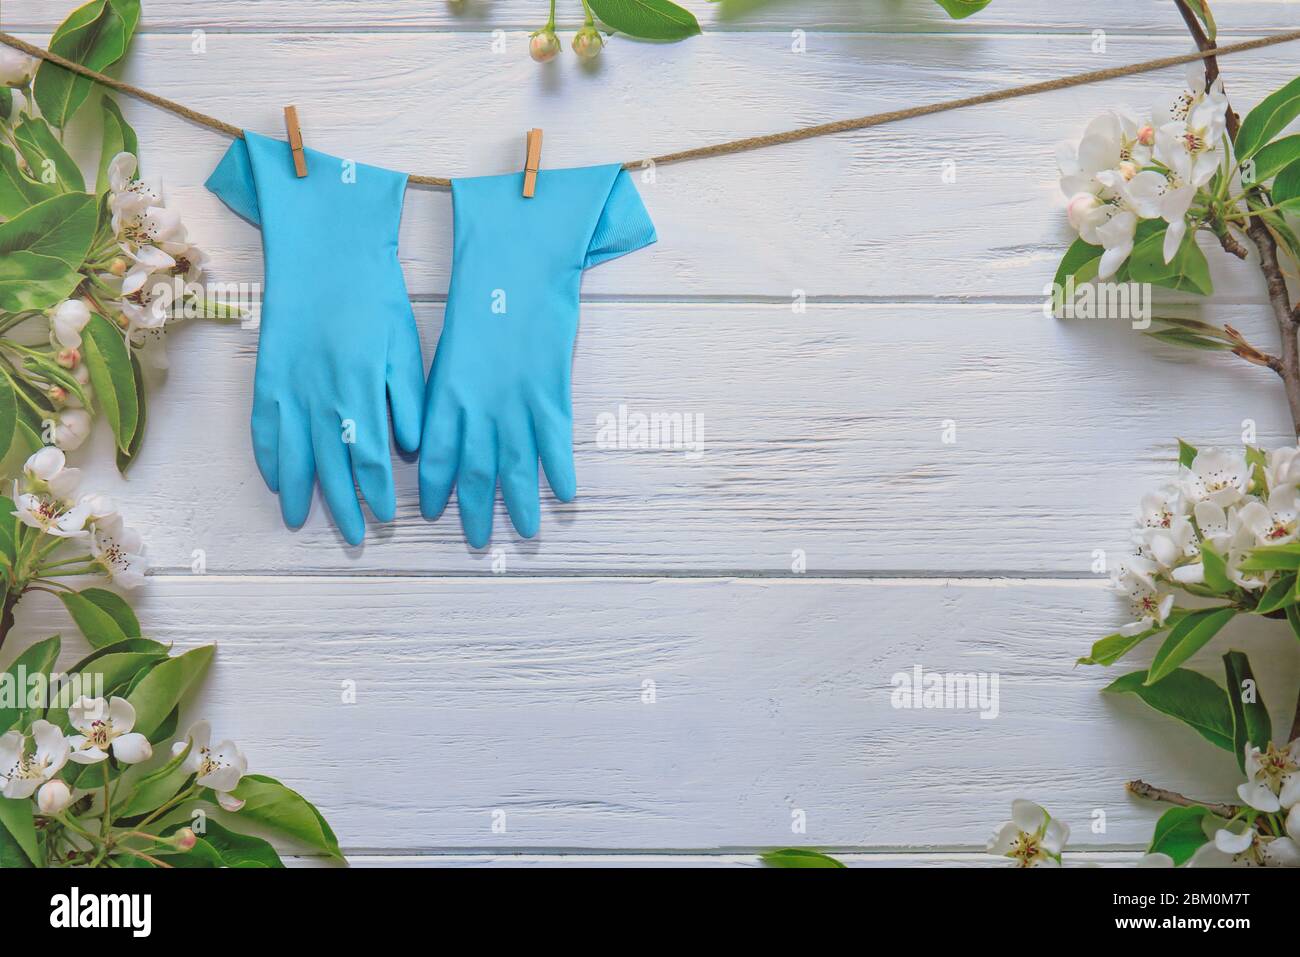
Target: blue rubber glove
<point>498,395</point>
<point>338,344</point>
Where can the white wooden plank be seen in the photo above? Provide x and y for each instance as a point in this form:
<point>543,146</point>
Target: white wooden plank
<point>906,859</point>
<point>905,16</point>
<point>866,214</point>
<point>474,696</point>
<point>821,432</point>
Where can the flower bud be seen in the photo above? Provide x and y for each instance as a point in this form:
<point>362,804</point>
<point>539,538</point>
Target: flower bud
<point>587,43</point>
<point>544,45</point>
<point>16,67</point>
<point>185,839</point>
<point>68,358</point>
<point>1147,135</point>
<point>1127,169</point>
<point>72,429</point>
<point>118,267</point>
<point>57,394</point>
<point>53,797</point>
<point>1081,204</point>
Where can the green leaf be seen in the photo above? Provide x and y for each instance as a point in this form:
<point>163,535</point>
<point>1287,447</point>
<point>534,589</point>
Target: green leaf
<point>269,802</point>
<point>107,359</point>
<point>1076,257</point>
<point>231,848</point>
<point>1286,186</point>
<point>958,9</point>
<point>1216,570</point>
<point>11,853</point>
<point>49,161</point>
<point>8,531</point>
<point>1250,721</point>
<point>118,138</point>
<point>38,659</point>
<point>1179,833</point>
<point>95,35</point>
<point>798,857</point>
<point>1177,337</point>
<point>1186,638</point>
<point>1293,619</point>
<point>1269,118</point>
<point>17,189</point>
<point>1202,10</point>
<point>157,788</point>
<point>1186,454</point>
<point>126,456</point>
<point>1189,696</point>
<point>647,19</point>
<point>1272,558</point>
<point>95,622</point>
<point>8,424</point>
<point>1272,159</point>
<point>16,817</point>
<point>59,228</point>
<point>1188,271</point>
<point>1108,650</point>
<point>29,281</point>
<point>1279,594</point>
<point>114,605</point>
<point>162,689</point>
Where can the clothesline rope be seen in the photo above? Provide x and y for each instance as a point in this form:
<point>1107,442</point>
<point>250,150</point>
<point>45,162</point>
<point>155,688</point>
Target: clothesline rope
<point>730,146</point>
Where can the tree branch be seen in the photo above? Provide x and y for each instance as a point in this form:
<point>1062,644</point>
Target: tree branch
<point>1285,314</point>
<point>1151,792</point>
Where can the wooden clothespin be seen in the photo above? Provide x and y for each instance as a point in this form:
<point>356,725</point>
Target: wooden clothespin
<point>295,140</point>
<point>532,162</point>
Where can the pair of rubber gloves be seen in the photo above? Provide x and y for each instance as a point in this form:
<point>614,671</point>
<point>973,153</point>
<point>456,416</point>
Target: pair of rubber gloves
<point>338,345</point>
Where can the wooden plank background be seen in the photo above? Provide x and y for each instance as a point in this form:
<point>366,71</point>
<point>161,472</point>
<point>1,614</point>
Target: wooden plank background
<point>522,691</point>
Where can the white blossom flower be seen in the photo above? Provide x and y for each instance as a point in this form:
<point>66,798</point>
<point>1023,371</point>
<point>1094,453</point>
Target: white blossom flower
<point>1110,140</point>
<point>1164,528</point>
<point>1274,522</point>
<point>66,322</point>
<point>1217,476</point>
<point>1149,604</point>
<point>120,550</point>
<point>1178,107</point>
<point>145,261</point>
<point>1272,777</point>
<point>1246,847</point>
<point>21,773</point>
<point>53,797</point>
<point>71,428</point>
<point>52,515</point>
<point>219,768</point>
<point>1167,196</point>
<point>1032,838</point>
<point>46,470</point>
<point>16,67</point>
<point>1156,859</point>
<point>1282,467</point>
<point>105,728</point>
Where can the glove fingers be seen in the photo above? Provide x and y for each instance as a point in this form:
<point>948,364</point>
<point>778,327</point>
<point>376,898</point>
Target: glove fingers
<point>518,473</point>
<point>406,387</point>
<point>476,483</point>
<point>372,465</point>
<point>297,468</point>
<point>334,469</point>
<point>439,456</point>
<point>266,439</point>
<point>555,445</point>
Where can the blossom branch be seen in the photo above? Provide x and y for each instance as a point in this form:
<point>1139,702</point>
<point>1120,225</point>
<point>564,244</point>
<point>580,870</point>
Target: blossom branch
<point>1286,315</point>
<point>1152,793</point>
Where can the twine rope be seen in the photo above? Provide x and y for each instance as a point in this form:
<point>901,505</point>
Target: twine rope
<point>730,146</point>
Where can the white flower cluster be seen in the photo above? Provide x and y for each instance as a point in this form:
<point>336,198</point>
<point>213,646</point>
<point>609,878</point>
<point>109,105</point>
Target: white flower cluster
<point>1218,499</point>
<point>44,500</point>
<point>1128,169</point>
<point>156,252</point>
<point>1272,787</point>
<point>29,764</point>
